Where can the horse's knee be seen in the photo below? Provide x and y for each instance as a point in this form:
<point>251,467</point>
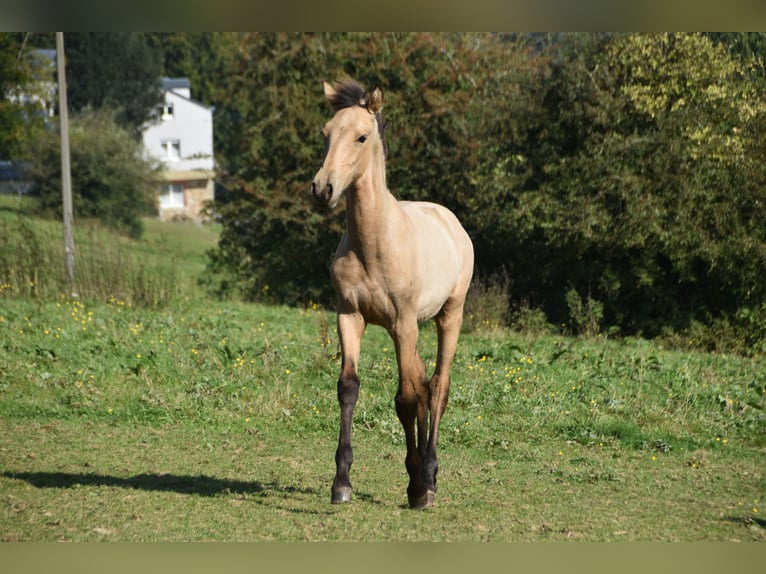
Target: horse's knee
<point>406,406</point>
<point>344,456</point>
<point>348,389</point>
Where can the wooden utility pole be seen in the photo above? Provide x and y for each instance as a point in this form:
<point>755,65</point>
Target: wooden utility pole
<point>66,178</point>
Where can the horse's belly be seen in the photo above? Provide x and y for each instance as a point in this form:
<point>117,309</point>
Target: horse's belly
<point>433,296</point>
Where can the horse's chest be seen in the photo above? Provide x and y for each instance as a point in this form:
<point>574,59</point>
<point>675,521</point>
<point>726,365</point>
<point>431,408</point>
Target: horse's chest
<point>374,295</point>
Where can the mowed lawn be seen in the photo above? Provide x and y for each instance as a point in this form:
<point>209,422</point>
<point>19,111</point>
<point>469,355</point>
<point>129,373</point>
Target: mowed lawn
<point>207,420</point>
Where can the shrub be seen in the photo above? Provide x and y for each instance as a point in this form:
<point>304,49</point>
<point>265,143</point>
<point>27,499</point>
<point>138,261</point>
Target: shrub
<point>585,315</point>
<point>487,305</point>
<point>625,166</point>
<point>111,180</point>
<point>529,320</point>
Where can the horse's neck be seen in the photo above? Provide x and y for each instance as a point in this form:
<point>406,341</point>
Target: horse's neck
<point>370,210</point>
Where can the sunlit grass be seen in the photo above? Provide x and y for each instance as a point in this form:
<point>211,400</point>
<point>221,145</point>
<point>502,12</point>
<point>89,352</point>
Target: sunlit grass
<point>208,420</point>
<point>535,429</point>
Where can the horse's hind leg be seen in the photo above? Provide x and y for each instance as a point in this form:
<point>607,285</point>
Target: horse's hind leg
<point>448,323</point>
<point>350,329</point>
<point>412,408</point>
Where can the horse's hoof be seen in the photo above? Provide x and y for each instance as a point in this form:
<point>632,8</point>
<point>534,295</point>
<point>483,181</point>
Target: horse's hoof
<point>341,494</point>
<point>423,501</point>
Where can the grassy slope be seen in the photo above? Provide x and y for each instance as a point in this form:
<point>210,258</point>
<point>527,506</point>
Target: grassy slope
<point>217,421</point>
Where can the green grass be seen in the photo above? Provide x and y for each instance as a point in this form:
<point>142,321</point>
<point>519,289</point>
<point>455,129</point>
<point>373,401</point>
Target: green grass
<point>205,420</point>
<point>186,242</point>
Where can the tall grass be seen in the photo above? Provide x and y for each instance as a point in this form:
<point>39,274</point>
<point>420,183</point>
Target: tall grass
<point>107,267</point>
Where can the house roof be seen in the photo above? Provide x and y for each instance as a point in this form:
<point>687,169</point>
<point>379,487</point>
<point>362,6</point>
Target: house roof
<point>175,83</point>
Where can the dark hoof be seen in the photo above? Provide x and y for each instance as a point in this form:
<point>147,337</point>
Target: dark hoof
<point>421,502</point>
<point>341,494</point>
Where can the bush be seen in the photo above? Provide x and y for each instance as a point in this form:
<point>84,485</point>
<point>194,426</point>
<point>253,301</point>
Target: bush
<point>271,236</point>
<point>743,333</point>
<point>111,180</point>
<point>585,315</point>
<point>626,166</point>
<point>642,185</point>
<point>487,304</point>
<point>273,255</point>
<point>530,320</point>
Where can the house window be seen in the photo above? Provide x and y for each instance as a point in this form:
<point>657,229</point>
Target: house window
<point>167,111</point>
<point>172,149</point>
<point>171,195</point>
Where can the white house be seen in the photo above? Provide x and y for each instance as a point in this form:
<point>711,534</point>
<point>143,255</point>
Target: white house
<point>43,90</point>
<point>182,139</point>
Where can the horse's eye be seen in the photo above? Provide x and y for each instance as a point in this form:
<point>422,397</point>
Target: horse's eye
<point>362,138</point>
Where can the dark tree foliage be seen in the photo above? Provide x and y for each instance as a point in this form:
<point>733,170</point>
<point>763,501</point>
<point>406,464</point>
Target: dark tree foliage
<point>625,169</point>
<point>117,70</point>
<point>433,87</point>
<point>749,46</point>
<point>19,74</point>
<point>651,198</point>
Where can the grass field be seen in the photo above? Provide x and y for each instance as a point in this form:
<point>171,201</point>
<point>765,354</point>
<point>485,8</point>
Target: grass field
<point>204,420</point>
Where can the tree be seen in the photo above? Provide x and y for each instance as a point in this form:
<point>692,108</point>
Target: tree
<point>614,172</point>
<point>111,180</point>
<point>650,189</point>
<point>21,117</point>
<point>436,87</point>
<point>748,46</point>
<point>117,70</point>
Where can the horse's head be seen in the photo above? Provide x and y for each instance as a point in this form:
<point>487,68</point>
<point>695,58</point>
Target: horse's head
<point>352,139</point>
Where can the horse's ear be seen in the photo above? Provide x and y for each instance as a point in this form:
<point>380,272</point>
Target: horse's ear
<point>375,101</point>
<point>329,91</point>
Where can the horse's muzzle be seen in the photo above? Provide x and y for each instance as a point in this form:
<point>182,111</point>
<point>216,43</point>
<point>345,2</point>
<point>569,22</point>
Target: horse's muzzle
<point>323,195</point>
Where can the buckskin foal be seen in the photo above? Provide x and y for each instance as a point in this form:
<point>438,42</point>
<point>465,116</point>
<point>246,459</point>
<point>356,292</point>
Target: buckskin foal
<point>397,264</point>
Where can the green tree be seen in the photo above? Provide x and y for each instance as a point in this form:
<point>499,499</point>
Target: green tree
<point>117,70</point>
<point>618,173</point>
<point>111,180</point>
<point>437,88</point>
<point>205,58</point>
<point>650,196</point>
<point>273,243</point>
<point>20,77</point>
<point>749,46</point>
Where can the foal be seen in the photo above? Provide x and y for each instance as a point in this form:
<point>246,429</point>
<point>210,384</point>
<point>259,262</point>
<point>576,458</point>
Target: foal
<point>398,263</point>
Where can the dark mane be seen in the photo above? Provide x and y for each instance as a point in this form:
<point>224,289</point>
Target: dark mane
<point>349,94</point>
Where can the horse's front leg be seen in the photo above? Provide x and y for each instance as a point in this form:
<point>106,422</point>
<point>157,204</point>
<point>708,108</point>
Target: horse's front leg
<point>350,330</point>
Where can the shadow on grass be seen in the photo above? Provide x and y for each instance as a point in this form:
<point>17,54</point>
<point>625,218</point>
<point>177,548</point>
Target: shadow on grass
<point>200,485</point>
<point>747,521</point>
